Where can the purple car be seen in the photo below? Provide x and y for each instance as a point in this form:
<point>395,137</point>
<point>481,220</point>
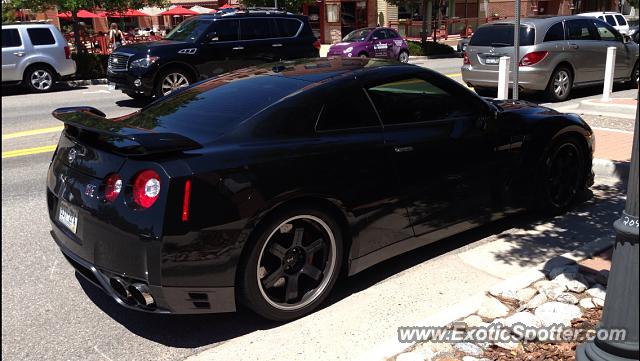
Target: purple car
<point>372,43</point>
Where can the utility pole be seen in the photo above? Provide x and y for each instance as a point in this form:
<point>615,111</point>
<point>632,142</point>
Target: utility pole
<point>516,50</point>
<point>621,305</point>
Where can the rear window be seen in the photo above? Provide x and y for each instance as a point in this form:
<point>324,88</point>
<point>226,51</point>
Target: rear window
<point>41,36</point>
<point>208,109</point>
<point>10,38</point>
<point>254,29</point>
<point>501,35</point>
<point>288,28</point>
<point>610,20</point>
<point>621,20</point>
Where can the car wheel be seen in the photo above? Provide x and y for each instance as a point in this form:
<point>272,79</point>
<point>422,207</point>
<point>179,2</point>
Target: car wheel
<point>363,55</point>
<point>403,57</point>
<point>560,84</point>
<point>561,176</point>
<point>486,92</point>
<point>39,79</point>
<point>138,96</point>
<point>171,80</point>
<point>293,264</point>
<point>635,75</point>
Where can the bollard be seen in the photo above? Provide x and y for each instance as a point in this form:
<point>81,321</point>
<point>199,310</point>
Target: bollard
<point>503,78</point>
<point>608,73</point>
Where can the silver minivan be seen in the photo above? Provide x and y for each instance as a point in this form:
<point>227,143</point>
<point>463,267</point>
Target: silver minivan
<point>557,54</point>
<point>36,55</point>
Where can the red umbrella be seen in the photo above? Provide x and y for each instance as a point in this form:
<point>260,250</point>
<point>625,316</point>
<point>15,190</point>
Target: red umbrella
<point>227,6</point>
<point>81,14</point>
<point>128,13</point>
<point>179,10</point>
<point>213,11</point>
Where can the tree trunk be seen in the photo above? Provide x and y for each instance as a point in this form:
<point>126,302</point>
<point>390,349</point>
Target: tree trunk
<point>423,33</point>
<point>76,31</point>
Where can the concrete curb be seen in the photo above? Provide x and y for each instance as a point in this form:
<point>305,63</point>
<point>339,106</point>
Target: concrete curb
<point>438,56</point>
<point>463,309</point>
<point>81,82</point>
<point>623,110</point>
<point>607,168</point>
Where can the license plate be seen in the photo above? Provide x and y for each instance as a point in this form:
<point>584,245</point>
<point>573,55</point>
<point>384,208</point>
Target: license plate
<point>68,216</point>
<point>111,86</point>
<point>492,60</point>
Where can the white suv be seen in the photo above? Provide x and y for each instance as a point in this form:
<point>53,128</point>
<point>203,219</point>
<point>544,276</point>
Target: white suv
<point>36,55</point>
<point>612,18</point>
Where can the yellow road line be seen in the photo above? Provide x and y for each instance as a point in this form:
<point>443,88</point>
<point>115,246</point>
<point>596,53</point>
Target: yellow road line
<point>454,75</point>
<point>26,133</point>
<point>28,151</point>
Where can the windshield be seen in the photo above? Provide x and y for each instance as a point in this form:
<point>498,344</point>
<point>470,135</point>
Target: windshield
<point>357,35</point>
<point>189,30</point>
<point>501,35</point>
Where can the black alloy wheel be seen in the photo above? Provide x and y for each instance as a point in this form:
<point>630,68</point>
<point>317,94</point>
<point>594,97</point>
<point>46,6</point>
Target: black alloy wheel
<point>563,175</point>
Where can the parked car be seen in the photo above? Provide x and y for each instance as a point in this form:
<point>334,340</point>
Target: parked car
<point>614,19</point>
<point>372,43</point>
<point>261,186</point>
<point>208,45</point>
<point>634,31</point>
<point>35,55</point>
<point>557,54</point>
<point>462,45</point>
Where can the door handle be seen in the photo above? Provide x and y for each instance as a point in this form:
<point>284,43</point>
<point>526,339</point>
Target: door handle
<point>574,46</point>
<point>239,48</point>
<point>19,53</point>
<point>276,45</point>
<point>403,149</point>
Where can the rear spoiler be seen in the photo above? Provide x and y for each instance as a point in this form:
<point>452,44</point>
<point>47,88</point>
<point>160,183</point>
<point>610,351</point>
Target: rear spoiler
<point>126,139</point>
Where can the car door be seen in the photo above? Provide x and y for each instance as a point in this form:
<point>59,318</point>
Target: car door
<point>285,43</point>
<point>586,52</point>
<point>12,53</point>
<point>609,37</point>
<point>395,42</point>
<point>441,151</point>
<point>221,50</point>
<point>380,44</point>
<point>258,36</point>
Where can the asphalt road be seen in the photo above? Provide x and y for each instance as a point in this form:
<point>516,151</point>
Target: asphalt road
<point>49,313</point>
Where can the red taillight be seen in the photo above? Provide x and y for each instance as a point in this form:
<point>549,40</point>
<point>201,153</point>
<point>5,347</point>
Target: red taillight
<point>465,60</point>
<point>146,188</point>
<point>316,44</point>
<point>185,203</point>
<point>67,52</point>
<point>533,58</point>
<point>112,187</point>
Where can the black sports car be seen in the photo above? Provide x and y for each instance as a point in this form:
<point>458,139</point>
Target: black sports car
<point>262,185</point>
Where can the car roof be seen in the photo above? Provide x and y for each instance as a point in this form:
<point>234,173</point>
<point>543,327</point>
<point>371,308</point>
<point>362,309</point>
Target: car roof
<point>250,14</point>
<point>600,13</point>
<point>31,23</point>
<point>539,21</point>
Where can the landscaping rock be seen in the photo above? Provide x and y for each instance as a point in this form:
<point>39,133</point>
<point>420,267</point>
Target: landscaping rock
<point>409,356</point>
<point>567,269</point>
<point>567,298</point>
<point>549,288</point>
<point>492,308</point>
<point>443,356</point>
<point>597,291</point>
<point>504,295</point>
<point>526,318</point>
<point>552,313</point>
<point>536,301</point>
<point>573,282</point>
<point>473,321</point>
<point>509,345</point>
<point>471,358</point>
<point>468,348</point>
<point>598,302</point>
<point>587,303</point>
<point>434,347</point>
<point>525,294</point>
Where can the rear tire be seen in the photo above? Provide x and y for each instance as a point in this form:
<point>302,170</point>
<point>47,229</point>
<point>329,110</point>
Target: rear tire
<point>171,80</point>
<point>39,78</point>
<point>292,262</point>
<point>560,84</point>
<point>363,55</point>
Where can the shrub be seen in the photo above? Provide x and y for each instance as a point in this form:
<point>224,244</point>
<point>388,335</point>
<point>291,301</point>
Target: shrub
<point>431,48</point>
<point>90,66</point>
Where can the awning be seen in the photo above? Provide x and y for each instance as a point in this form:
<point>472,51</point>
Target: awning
<point>128,13</point>
<point>227,6</point>
<point>201,9</point>
<point>178,10</point>
<point>81,14</point>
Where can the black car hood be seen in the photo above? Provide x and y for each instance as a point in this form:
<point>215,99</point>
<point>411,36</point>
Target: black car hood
<point>522,107</point>
<point>153,47</point>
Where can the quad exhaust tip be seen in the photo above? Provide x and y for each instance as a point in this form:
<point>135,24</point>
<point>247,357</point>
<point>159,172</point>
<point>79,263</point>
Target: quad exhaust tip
<point>141,294</point>
<point>120,287</point>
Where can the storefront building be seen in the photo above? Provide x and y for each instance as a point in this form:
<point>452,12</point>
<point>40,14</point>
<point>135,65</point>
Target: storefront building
<point>331,20</point>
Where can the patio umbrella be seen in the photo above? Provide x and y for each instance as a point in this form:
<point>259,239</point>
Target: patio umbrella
<point>178,10</point>
<point>227,6</point>
<point>126,14</point>
<point>201,9</point>
<point>81,14</point>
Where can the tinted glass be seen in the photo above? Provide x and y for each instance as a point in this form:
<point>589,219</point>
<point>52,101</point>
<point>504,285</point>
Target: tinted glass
<point>606,32</point>
<point>253,29</point>
<point>501,35</point>
<point>380,34</point>
<point>555,33</point>
<point>411,101</point>
<point>288,28</point>
<point>391,34</point>
<point>348,110</point>
<point>581,30</point>
<point>621,20</point>
<point>189,30</point>
<point>10,38</point>
<point>293,118</point>
<point>41,36</point>
<point>208,109</point>
<point>357,35</point>
<point>224,30</point>
<point>610,20</point>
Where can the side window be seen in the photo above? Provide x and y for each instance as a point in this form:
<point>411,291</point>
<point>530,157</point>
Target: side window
<point>41,36</point>
<point>581,30</point>
<point>288,28</point>
<point>621,20</point>
<point>606,32</point>
<point>224,30</point>
<point>610,20</point>
<point>601,17</point>
<point>380,34</point>
<point>348,110</point>
<point>10,38</point>
<point>254,29</point>
<point>555,33</point>
<point>412,100</point>
<point>392,34</point>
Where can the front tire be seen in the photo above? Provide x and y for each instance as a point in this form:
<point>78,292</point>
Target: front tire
<point>293,262</point>
<point>171,80</point>
<point>137,96</point>
<point>560,85</point>
<point>635,76</point>
<point>39,79</point>
<point>403,57</point>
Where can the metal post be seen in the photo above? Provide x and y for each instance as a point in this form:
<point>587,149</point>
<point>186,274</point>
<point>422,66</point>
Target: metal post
<point>621,305</point>
<point>516,50</point>
<point>608,73</point>
<point>503,78</point>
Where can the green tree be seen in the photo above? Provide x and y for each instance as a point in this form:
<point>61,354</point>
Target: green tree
<point>289,5</point>
<point>74,6</point>
<point>426,17</point>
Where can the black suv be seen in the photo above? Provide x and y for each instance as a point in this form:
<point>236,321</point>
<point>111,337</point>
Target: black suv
<point>207,45</point>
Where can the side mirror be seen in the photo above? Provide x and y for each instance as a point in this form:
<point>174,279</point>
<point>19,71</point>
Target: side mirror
<point>626,39</point>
